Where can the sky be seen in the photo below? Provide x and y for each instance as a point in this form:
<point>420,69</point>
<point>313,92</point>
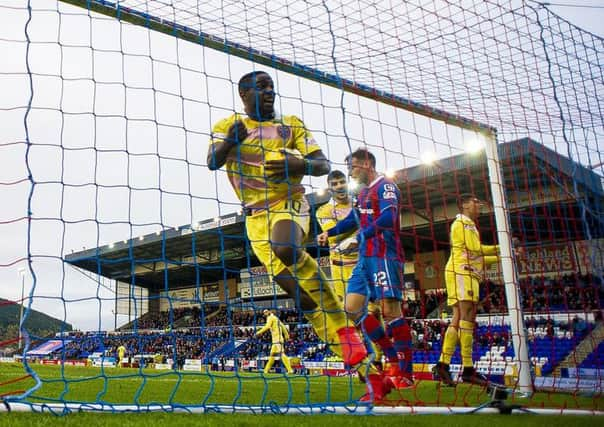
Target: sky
<point>137,164</point>
<point>585,14</point>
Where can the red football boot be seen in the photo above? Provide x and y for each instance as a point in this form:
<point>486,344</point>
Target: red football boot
<point>353,348</point>
<point>378,386</point>
<point>400,379</point>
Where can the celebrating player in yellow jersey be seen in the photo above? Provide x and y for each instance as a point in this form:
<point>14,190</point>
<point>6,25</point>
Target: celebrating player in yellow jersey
<point>279,335</point>
<point>463,274</point>
<point>266,156</point>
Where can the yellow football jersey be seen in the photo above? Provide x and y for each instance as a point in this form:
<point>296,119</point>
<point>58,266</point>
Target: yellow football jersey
<point>279,333</point>
<point>468,255</point>
<point>327,216</point>
<point>265,140</point>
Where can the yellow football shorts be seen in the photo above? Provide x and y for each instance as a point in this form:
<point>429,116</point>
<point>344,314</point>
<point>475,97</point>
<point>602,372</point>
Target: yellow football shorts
<point>461,287</point>
<point>260,224</point>
<point>339,278</point>
<point>276,349</point>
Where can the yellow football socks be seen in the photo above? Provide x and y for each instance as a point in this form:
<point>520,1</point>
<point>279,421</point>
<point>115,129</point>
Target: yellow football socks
<point>284,360</point>
<point>269,364</point>
<point>466,339</point>
<point>314,283</point>
<point>329,318</point>
<point>286,363</point>
<point>319,322</point>
<point>449,344</point>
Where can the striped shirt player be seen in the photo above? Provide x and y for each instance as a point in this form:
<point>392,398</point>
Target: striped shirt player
<point>378,275</point>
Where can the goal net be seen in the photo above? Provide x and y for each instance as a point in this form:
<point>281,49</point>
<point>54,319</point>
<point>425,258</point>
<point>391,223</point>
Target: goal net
<point>131,279</point>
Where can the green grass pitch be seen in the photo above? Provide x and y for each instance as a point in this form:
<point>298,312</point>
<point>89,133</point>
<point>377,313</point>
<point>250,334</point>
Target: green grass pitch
<point>274,393</point>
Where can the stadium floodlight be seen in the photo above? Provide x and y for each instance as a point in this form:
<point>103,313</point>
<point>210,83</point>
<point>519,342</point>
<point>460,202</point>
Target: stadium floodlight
<point>428,158</point>
<point>390,173</point>
<point>475,144</point>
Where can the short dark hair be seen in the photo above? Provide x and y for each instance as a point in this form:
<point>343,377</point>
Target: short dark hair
<point>464,198</point>
<point>246,80</point>
<point>335,174</point>
<point>361,154</point>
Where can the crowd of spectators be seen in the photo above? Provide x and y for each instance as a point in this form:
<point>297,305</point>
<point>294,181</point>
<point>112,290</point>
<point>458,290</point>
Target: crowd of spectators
<point>571,292</point>
<point>194,333</point>
<point>207,343</point>
<point>538,294</point>
<point>221,327</point>
<point>426,305</point>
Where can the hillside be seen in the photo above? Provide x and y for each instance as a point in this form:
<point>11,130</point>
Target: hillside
<point>37,324</point>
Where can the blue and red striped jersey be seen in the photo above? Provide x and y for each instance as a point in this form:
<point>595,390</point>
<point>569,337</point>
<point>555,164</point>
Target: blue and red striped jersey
<point>378,207</point>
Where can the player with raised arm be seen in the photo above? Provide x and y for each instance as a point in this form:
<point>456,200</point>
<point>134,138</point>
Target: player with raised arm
<point>279,335</point>
<point>463,273</point>
<point>378,276</point>
<point>266,156</point>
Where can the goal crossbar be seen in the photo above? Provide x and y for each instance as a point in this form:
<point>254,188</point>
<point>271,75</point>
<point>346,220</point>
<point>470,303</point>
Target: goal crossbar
<point>193,35</point>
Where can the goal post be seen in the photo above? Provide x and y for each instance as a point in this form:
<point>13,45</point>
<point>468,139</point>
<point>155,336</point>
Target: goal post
<point>508,268</point>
